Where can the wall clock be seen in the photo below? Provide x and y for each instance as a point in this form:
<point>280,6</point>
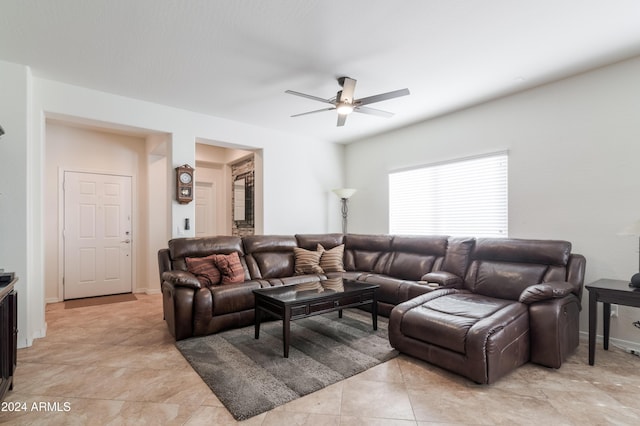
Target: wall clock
<point>184,184</point>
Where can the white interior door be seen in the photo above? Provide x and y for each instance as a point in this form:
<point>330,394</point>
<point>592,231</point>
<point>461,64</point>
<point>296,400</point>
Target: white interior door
<point>205,194</point>
<point>97,235</point>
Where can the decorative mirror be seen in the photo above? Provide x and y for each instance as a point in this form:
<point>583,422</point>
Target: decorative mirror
<point>243,200</point>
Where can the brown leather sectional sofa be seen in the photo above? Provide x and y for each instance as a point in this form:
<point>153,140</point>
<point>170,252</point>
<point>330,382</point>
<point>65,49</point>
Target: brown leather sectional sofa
<point>490,305</point>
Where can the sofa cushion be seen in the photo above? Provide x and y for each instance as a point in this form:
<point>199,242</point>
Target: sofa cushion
<point>331,260</point>
<point>410,266</point>
<point>229,299</point>
<point>274,265</point>
<point>391,290</point>
<point>297,279</point>
<point>506,280</point>
<point>179,248</point>
<point>545,252</point>
<point>458,255</point>
<point>205,270</point>
<point>446,321</point>
<point>230,268</point>
<point>504,268</point>
<point>307,261</point>
<point>413,256</point>
<point>311,241</point>
<point>367,253</point>
<point>270,256</point>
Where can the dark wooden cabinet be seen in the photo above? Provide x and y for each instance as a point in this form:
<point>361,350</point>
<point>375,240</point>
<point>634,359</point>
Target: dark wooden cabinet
<point>8,336</point>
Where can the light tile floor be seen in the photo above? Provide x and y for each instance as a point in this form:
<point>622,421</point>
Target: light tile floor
<point>117,365</point>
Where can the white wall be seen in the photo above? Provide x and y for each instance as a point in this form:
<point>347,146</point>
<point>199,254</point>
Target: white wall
<point>574,148</point>
<point>15,226</point>
<point>157,220</point>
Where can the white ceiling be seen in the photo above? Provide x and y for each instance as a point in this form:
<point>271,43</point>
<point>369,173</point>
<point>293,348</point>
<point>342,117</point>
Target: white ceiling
<point>235,58</point>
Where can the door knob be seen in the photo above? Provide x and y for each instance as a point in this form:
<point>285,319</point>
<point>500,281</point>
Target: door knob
<point>127,241</point>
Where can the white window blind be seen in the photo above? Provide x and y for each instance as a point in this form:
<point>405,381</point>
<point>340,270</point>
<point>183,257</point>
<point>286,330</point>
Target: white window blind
<point>466,197</point>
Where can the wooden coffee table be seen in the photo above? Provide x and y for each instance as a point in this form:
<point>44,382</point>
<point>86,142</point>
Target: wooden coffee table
<point>304,300</point>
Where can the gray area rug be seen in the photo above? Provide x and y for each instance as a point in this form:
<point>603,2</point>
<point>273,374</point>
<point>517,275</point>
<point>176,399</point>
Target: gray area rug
<point>251,376</point>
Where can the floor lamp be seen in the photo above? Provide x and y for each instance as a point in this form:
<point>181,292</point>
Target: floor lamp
<point>344,194</point>
<point>634,229</point>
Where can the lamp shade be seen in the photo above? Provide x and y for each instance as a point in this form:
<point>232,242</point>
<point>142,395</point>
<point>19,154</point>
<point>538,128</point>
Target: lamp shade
<point>344,193</point>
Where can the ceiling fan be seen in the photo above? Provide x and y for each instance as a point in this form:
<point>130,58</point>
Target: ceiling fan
<point>344,102</point>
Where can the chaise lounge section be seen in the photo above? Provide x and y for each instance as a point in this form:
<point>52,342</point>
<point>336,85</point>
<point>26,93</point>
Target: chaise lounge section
<point>520,302</point>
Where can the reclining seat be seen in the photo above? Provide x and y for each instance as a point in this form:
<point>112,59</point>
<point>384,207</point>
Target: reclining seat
<point>520,301</point>
<point>193,309</point>
<point>400,265</point>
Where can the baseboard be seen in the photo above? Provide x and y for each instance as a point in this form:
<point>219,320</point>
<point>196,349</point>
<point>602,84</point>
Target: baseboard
<point>25,342</point>
<point>148,290</point>
<point>136,291</point>
<point>625,345</point>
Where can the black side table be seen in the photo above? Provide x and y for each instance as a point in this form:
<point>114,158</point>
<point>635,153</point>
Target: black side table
<point>607,292</point>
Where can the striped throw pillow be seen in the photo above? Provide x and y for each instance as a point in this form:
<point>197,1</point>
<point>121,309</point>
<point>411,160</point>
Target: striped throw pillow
<point>331,260</point>
<point>205,270</point>
<point>307,261</point>
<point>230,267</point>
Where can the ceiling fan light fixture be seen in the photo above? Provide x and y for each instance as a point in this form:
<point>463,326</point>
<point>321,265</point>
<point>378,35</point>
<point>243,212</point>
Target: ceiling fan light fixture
<point>344,108</point>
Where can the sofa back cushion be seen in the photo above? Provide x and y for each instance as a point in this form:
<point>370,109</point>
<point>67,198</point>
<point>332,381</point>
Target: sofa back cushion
<point>367,253</point>
<point>458,255</point>
<point>311,241</point>
<point>181,248</point>
<point>414,256</point>
<point>503,268</point>
<point>270,256</point>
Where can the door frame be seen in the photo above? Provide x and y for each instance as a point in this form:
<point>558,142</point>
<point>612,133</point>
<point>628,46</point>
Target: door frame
<point>134,223</point>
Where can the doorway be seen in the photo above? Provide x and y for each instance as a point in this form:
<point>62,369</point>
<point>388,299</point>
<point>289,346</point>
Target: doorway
<point>97,234</point>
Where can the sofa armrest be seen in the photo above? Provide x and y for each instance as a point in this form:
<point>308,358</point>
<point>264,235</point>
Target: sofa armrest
<point>554,330</point>
<point>164,263</point>
<point>545,291</point>
<point>177,306</point>
<point>443,278</point>
<point>181,279</point>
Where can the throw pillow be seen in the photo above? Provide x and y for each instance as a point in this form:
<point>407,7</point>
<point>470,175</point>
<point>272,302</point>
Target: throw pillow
<point>307,261</point>
<point>204,268</point>
<point>331,260</point>
<point>230,267</point>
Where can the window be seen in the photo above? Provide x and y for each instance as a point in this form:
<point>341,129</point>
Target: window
<point>466,198</point>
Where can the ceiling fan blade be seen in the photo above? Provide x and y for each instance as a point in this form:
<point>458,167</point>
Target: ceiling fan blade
<point>348,88</point>
<point>342,118</point>
<point>313,112</point>
<point>382,97</point>
<point>373,111</point>
<point>304,95</point>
